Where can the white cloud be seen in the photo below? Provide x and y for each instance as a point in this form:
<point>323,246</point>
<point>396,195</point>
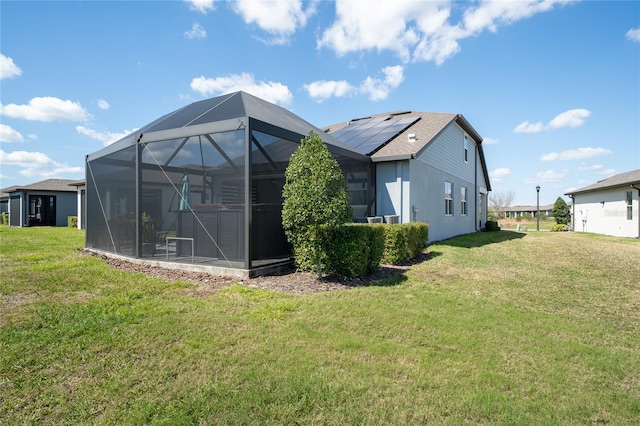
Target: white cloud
<point>323,90</point>
<point>196,32</point>
<point>202,6</point>
<point>279,18</point>
<point>46,109</point>
<point>8,69</point>
<point>8,134</point>
<point>585,167</point>
<point>376,88</point>
<point>490,141</point>
<point>379,88</point>
<point>575,154</point>
<point>497,174</point>
<point>526,127</point>
<point>421,31</point>
<point>633,34</point>
<point>268,90</point>
<point>102,104</point>
<point>571,118</point>
<point>546,176</point>
<point>384,26</point>
<point>107,138</point>
<point>607,172</point>
<point>37,164</point>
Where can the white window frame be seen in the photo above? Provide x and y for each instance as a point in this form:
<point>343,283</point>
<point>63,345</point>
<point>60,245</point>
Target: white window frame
<point>466,149</point>
<point>463,200</point>
<point>448,198</point>
<point>629,202</point>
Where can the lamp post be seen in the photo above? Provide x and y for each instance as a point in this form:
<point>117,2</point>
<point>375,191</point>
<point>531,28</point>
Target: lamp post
<point>538,208</point>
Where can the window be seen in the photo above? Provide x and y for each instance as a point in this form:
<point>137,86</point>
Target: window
<point>466,149</point>
<point>629,205</point>
<point>448,198</point>
<point>463,200</point>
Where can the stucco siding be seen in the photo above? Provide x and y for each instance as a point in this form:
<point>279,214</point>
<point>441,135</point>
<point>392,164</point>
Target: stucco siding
<point>443,161</point>
<point>590,214</point>
<point>393,190</point>
<point>66,205</point>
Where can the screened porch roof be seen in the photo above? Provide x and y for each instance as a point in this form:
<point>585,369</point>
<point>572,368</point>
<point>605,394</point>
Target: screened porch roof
<point>225,113</point>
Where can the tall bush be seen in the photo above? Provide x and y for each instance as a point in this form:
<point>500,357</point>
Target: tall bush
<point>561,212</point>
<point>315,194</point>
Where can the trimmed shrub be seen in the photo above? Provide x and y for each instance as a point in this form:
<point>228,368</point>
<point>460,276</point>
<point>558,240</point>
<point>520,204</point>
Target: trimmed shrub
<point>491,226</point>
<point>404,241</point>
<point>72,221</point>
<point>4,218</point>
<point>352,250</point>
<point>559,227</point>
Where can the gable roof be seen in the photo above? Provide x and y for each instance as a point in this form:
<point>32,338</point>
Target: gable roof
<point>56,185</point>
<point>427,126</point>
<point>622,179</point>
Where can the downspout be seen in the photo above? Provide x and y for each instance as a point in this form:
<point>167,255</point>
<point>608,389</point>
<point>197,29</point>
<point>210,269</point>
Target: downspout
<point>638,189</point>
<point>573,213</point>
<point>475,166</point>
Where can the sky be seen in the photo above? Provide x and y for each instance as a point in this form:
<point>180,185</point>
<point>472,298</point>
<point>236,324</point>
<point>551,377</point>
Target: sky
<point>552,86</point>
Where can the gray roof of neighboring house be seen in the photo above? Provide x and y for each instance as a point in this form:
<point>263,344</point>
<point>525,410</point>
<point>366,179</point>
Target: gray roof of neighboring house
<point>429,126</point>
<point>528,208</point>
<point>622,179</point>
<point>57,185</point>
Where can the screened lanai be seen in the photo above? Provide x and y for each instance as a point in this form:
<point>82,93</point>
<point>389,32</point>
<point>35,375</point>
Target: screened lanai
<point>203,185</point>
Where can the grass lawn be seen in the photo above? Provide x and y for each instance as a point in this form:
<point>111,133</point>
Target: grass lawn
<point>503,327</point>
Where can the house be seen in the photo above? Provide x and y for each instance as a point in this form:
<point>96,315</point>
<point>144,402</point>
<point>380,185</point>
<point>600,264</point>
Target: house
<point>429,167</point>
<point>45,203</point>
<point>81,189</point>
<point>609,206</point>
<point>202,185</point>
<point>520,211</point>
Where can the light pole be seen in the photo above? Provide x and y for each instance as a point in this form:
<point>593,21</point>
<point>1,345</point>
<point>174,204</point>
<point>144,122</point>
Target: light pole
<point>538,208</point>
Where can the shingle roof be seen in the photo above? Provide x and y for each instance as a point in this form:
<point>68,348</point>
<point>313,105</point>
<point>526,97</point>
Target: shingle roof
<point>622,179</point>
<point>57,185</point>
<point>426,129</point>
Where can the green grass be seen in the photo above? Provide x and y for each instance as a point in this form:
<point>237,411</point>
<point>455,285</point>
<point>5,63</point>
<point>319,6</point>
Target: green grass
<point>504,327</point>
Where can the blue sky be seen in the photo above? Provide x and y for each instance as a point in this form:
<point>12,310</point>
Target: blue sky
<point>553,87</point>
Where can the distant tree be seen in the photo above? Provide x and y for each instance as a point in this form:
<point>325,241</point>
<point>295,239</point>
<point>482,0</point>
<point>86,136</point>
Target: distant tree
<point>499,201</point>
<point>561,212</point>
<point>315,194</point>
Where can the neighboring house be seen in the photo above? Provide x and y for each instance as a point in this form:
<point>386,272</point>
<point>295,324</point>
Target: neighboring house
<point>45,203</point>
<point>519,211</point>
<point>429,167</point>
<point>609,206</point>
<point>81,189</point>
<point>203,184</point>
<point>4,199</point>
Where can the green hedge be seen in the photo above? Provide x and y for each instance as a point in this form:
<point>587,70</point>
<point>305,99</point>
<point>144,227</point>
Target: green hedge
<point>491,226</point>
<point>4,219</point>
<point>353,250</point>
<point>404,241</point>
<point>72,221</point>
<point>559,227</point>
<point>356,250</point>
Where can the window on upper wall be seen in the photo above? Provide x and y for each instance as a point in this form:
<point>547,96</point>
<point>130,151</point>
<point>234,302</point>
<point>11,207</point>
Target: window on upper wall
<point>448,198</point>
<point>466,149</point>
<point>629,205</point>
<point>463,200</point>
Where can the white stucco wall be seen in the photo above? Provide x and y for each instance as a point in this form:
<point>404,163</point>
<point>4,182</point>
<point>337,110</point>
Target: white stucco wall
<point>590,214</point>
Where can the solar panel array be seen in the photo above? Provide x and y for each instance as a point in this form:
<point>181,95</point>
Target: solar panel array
<point>368,135</point>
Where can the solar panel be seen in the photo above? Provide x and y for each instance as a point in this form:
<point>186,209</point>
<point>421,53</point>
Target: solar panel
<point>348,132</point>
<point>370,136</point>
